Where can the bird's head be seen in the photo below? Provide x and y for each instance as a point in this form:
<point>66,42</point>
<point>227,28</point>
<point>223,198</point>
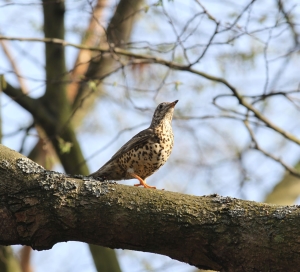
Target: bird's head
<point>163,112</point>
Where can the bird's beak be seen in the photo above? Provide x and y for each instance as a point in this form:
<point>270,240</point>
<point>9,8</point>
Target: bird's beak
<point>172,104</point>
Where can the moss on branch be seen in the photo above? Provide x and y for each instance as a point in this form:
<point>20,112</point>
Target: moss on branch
<point>40,208</point>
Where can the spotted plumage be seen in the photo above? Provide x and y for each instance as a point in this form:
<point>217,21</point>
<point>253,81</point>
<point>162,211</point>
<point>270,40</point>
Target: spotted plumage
<point>145,153</point>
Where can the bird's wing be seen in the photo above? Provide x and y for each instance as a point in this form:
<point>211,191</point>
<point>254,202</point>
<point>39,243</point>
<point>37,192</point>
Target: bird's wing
<point>138,140</point>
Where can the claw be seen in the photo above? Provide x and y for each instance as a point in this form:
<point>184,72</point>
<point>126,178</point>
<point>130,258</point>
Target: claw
<point>142,182</point>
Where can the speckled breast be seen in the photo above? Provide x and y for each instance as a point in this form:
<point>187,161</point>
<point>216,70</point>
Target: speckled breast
<point>145,160</point>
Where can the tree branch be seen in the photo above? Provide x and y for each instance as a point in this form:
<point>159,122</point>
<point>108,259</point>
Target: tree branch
<point>93,34</point>
<point>41,208</point>
<point>117,33</point>
<point>267,154</point>
<point>56,74</point>
<point>14,66</point>
<point>175,66</point>
<point>30,104</point>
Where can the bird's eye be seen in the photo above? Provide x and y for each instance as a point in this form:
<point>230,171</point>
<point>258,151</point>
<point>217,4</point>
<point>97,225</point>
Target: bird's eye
<point>160,106</point>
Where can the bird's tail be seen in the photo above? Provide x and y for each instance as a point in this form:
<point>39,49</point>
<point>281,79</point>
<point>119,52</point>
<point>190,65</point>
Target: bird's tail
<point>106,172</point>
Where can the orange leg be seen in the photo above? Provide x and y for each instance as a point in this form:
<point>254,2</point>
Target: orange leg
<point>142,182</point>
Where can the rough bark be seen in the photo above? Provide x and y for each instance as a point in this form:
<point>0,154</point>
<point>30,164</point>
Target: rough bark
<point>40,208</point>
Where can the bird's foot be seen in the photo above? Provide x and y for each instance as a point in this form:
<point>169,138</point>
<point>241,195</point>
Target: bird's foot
<point>142,182</point>
<point>145,185</point>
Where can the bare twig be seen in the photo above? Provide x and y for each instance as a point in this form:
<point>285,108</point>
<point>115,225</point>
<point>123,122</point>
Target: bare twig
<point>257,146</point>
<point>289,19</point>
<point>14,66</point>
<point>173,65</point>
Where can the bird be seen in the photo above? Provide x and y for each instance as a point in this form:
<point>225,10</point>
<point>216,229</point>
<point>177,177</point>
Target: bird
<point>144,153</point>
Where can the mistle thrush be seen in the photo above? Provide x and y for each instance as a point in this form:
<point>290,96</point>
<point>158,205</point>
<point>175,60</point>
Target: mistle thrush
<point>145,153</point>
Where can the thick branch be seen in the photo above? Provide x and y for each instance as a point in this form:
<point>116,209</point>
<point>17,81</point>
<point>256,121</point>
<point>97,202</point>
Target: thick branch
<point>118,32</point>
<point>94,32</point>
<point>30,104</point>
<point>120,26</point>
<point>40,208</point>
<point>48,123</point>
<point>55,59</point>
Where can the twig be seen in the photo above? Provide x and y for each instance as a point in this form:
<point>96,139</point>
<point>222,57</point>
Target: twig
<point>14,66</point>
<point>257,147</point>
<point>173,65</point>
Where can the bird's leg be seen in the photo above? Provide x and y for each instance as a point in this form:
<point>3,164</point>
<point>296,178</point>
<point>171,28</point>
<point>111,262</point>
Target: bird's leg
<point>142,182</point>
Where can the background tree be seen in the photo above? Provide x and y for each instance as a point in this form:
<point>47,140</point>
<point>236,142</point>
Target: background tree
<point>233,67</point>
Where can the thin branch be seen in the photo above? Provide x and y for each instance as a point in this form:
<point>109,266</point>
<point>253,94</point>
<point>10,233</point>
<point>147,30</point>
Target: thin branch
<point>173,65</point>
<point>239,16</point>
<point>204,117</point>
<point>257,146</point>
<point>208,45</point>
<point>289,19</point>
<point>209,15</point>
<point>14,66</point>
